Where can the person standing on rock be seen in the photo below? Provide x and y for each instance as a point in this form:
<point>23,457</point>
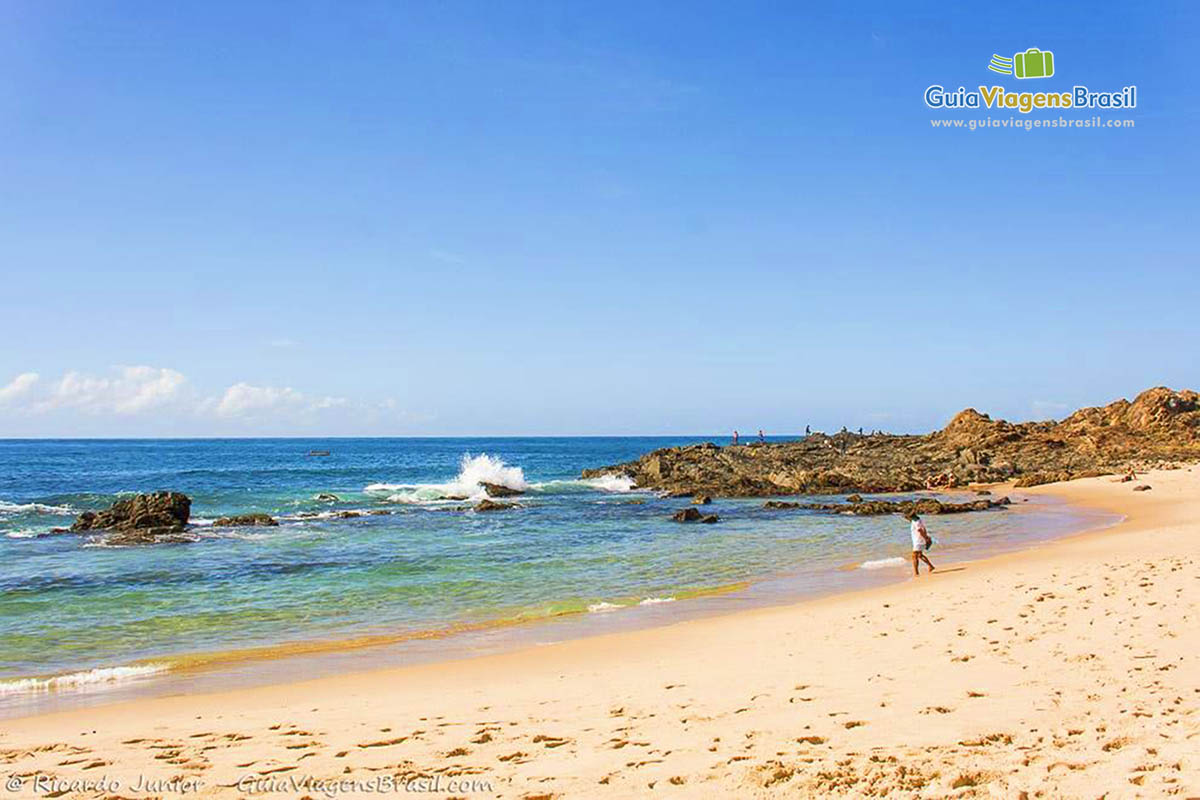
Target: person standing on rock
<point>735,438</point>
<point>921,541</point>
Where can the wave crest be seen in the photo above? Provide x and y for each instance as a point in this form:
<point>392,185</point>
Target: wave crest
<point>883,563</point>
<point>101,676</point>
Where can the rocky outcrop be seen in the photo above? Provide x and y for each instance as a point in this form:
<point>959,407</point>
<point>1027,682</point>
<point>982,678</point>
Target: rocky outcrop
<point>153,514</point>
<point>1160,426</point>
<point>246,521</point>
<point>866,508</point>
<point>499,490</point>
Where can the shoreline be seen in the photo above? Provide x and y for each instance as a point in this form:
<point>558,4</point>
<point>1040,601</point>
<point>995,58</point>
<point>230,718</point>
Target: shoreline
<point>1061,669</point>
<point>307,659</point>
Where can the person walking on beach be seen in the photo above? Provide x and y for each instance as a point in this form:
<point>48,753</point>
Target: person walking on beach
<point>921,541</point>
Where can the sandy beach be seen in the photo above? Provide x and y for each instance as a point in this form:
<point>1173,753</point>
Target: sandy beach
<point>1069,670</point>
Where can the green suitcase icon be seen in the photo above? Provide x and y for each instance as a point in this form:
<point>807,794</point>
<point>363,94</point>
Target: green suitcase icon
<point>1034,63</point>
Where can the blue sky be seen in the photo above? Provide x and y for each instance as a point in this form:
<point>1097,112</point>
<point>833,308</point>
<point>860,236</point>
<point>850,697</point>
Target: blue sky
<point>562,218</point>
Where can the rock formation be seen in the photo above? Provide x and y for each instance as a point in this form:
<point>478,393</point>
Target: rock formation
<point>498,490</point>
<point>1159,426</point>
<point>866,508</point>
<point>160,512</point>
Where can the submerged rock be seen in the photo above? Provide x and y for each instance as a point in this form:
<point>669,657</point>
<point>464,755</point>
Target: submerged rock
<point>490,505</point>
<point>246,520</point>
<point>692,515</point>
<point>152,515</point>
<point>701,500</point>
<point>326,497</point>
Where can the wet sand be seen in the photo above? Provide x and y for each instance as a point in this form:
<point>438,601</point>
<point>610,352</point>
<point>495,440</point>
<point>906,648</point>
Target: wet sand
<point>1067,670</point>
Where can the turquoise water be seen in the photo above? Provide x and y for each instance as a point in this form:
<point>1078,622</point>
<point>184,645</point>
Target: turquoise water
<point>68,603</point>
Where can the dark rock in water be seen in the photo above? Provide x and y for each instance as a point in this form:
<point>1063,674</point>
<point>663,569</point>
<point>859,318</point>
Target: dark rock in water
<point>1160,425</point>
<point>854,498</point>
<point>246,520</point>
<point>1142,488</point>
<point>926,505</point>
<point>499,490</point>
<point>151,515</point>
<point>348,514</point>
<point>983,493</point>
<point>326,497</point>
<point>692,515</point>
<point>379,512</point>
<point>701,500</point>
<point>489,505</point>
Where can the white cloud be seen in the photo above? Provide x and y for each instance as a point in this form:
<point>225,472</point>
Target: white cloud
<point>162,399</point>
<point>244,399</point>
<point>131,390</point>
<point>18,387</point>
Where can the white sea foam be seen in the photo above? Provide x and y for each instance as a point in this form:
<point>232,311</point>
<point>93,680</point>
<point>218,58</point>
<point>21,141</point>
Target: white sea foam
<point>26,534</point>
<point>605,483</point>
<point>473,472</point>
<point>610,483</point>
<point>883,563</point>
<point>600,608</point>
<point>78,681</point>
<point>653,601</point>
<point>8,509</point>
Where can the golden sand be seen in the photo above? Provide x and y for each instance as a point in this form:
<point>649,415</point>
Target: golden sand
<point>1068,670</point>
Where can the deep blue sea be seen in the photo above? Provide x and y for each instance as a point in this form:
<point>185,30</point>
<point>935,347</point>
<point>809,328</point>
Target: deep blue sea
<point>73,606</point>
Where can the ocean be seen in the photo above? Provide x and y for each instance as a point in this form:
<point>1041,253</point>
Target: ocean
<point>79,615</point>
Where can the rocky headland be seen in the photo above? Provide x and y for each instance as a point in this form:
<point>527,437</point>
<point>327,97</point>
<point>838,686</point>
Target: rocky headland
<point>1160,427</point>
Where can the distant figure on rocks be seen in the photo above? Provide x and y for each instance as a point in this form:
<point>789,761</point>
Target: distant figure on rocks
<point>735,438</point>
<point>921,541</point>
<point>808,430</point>
<point>860,430</point>
<point>761,438</point>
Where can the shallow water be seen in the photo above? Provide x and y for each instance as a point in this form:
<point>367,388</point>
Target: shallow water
<point>594,552</point>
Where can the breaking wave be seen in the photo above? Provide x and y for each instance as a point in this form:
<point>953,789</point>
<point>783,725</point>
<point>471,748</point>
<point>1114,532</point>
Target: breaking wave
<point>474,471</point>
<point>8,509</point>
<point>883,563</point>
<point>600,608</point>
<point>103,676</point>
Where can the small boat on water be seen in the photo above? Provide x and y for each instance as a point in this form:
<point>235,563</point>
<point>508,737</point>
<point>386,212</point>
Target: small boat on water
<point>318,452</point>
